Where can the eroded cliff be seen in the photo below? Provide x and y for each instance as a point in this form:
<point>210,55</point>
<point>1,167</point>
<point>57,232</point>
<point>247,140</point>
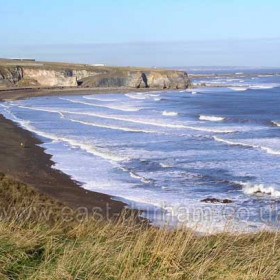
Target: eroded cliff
<point>46,74</point>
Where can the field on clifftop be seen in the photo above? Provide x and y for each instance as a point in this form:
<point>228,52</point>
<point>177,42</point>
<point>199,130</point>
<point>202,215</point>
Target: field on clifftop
<point>38,242</point>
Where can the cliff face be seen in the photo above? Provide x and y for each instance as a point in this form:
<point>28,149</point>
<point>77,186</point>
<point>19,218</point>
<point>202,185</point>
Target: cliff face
<point>73,75</point>
<point>9,76</point>
<point>50,78</point>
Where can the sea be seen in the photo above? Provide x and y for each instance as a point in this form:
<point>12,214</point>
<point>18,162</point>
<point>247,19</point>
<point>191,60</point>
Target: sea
<point>207,158</point>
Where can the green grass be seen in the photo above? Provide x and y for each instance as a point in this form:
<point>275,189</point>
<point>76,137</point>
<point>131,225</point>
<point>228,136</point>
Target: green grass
<point>33,247</point>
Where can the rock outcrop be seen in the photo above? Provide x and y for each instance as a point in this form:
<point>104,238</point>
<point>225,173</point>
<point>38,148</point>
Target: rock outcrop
<point>42,74</point>
<point>10,76</point>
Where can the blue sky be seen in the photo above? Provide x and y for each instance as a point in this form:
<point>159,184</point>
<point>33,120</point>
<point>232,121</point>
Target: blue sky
<point>161,33</point>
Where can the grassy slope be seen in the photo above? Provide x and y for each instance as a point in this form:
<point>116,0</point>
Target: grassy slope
<point>76,66</point>
<point>61,247</point>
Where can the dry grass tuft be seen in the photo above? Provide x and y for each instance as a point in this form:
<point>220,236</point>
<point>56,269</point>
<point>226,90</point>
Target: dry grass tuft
<point>33,247</point>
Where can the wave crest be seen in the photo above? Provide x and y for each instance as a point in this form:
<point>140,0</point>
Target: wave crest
<point>119,108</point>
<point>238,88</point>
<point>275,123</point>
<point>249,188</point>
<point>99,99</point>
<point>127,129</point>
<point>170,114</point>
<point>210,118</point>
<point>229,142</point>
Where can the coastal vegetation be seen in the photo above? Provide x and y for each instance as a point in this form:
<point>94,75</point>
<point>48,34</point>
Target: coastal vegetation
<point>40,240</point>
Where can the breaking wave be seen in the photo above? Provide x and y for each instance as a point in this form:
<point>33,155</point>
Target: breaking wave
<point>143,96</point>
<point>210,118</point>
<point>158,124</point>
<point>135,176</point>
<point>275,123</point>
<point>171,114</point>
<point>249,188</point>
<point>238,88</point>
<point>268,86</point>
<point>127,129</point>
<point>72,142</point>
<point>135,96</point>
<point>165,165</point>
<point>125,109</point>
<point>99,99</point>
<point>229,142</point>
<point>142,179</point>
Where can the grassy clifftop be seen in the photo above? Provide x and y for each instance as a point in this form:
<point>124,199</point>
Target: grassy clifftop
<point>40,240</point>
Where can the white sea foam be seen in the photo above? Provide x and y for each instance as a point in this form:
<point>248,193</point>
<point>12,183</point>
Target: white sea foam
<point>171,114</point>
<point>260,86</point>
<point>264,86</point>
<point>276,123</point>
<point>99,99</point>
<point>127,129</point>
<point>159,124</point>
<point>136,96</point>
<point>5,106</point>
<point>229,142</point>
<point>210,118</point>
<point>47,110</point>
<point>190,91</point>
<point>250,188</point>
<point>142,179</point>
<point>143,96</point>
<point>72,142</point>
<point>267,75</point>
<point>119,108</point>
<point>165,165</point>
<point>238,88</point>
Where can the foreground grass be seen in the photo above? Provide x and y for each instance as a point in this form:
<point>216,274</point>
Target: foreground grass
<point>35,247</point>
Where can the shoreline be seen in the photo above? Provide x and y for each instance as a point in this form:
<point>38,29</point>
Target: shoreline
<point>32,166</point>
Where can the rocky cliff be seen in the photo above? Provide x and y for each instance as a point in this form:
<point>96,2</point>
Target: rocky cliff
<point>42,74</point>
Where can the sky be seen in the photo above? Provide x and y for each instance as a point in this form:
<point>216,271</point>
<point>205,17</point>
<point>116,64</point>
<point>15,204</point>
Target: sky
<point>144,33</point>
